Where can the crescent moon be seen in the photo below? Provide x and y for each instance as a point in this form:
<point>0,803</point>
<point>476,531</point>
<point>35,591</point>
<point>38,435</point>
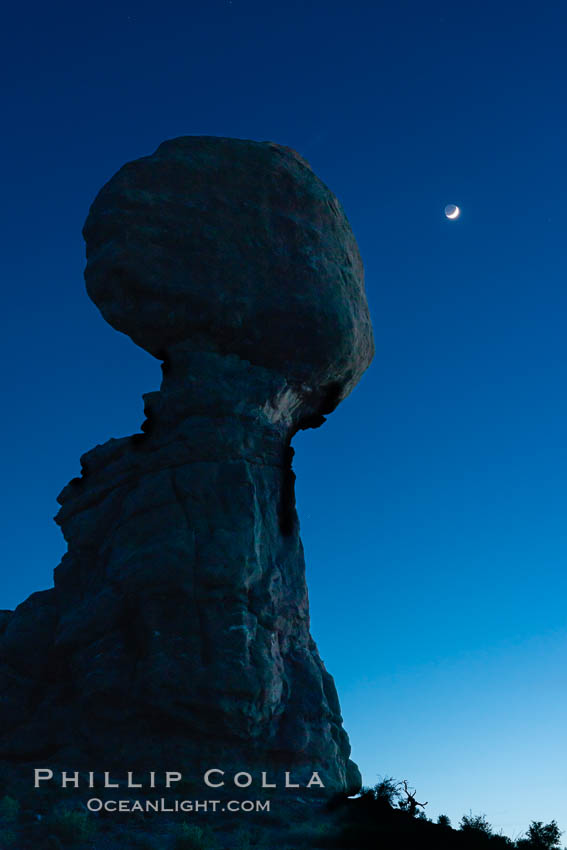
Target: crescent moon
<point>455,211</point>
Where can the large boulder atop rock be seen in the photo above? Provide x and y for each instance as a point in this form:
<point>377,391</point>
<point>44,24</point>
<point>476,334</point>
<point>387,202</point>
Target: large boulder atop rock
<point>235,247</point>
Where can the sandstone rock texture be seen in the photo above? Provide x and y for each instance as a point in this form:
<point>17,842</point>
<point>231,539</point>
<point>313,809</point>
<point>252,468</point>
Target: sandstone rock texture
<point>177,632</point>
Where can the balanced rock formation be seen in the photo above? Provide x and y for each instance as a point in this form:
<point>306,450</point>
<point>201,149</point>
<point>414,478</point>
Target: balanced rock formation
<point>177,632</point>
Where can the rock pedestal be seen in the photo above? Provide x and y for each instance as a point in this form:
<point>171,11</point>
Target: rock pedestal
<point>177,632</point>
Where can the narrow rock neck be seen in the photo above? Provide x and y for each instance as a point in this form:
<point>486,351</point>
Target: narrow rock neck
<point>200,386</point>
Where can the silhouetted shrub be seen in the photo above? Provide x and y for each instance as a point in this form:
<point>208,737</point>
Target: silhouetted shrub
<point>387,790</point>
<point>541,837</point>
<point>444,820</point>
<point>475,823</point>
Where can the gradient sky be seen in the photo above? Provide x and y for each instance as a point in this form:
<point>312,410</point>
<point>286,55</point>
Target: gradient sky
<point>433,502</point>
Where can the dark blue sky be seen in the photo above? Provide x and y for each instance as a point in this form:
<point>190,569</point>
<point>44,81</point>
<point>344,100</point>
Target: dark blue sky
<point>433,502</point>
